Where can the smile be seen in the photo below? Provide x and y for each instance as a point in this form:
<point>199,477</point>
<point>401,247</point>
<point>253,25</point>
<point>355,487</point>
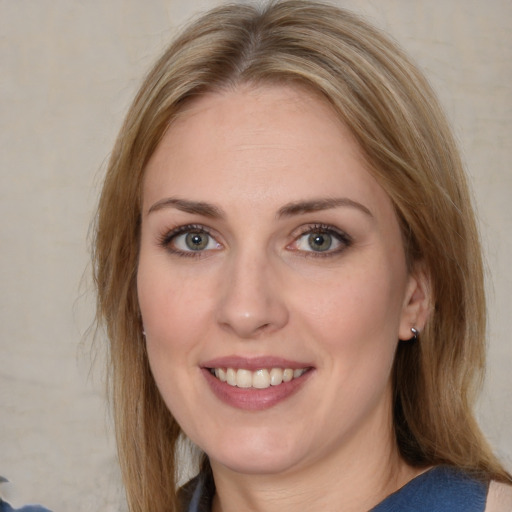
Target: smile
<point>259,379</point>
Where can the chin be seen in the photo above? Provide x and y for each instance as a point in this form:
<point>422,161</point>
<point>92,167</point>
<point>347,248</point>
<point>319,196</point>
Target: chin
<point>256,464</point>
<point>256,454</point>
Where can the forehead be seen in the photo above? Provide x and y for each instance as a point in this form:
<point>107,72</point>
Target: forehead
<point>267,143</point>
<point>270,117</point>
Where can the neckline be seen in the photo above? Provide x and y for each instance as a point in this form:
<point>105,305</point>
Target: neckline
<point>442,485</point>
<point>441,488</point>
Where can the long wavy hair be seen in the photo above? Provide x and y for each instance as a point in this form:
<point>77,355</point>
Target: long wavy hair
<point>393,114</point>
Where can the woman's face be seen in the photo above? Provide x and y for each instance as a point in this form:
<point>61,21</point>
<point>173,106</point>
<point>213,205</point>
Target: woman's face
<point>271,258</point>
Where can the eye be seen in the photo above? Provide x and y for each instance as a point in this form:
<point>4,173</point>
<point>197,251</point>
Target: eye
<point>189,241</point>
<point>193,242</point>
<point>321,239</point>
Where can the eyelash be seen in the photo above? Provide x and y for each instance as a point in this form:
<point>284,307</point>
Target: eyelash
<point>168,237</point>
<point>343,238</point>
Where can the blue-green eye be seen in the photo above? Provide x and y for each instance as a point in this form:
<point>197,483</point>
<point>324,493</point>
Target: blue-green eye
<point>196,241</point>
<point>187,240</point>
<point>322,239</point>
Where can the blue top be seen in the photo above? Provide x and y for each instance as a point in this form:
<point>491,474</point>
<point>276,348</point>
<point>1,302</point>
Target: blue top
<point>5,507</point>
<point>441,489</point>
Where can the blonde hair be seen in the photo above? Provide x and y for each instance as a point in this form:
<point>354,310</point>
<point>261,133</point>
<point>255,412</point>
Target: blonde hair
<point>391,110</point>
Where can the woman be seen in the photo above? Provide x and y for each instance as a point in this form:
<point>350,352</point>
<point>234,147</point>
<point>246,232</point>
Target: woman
<point>290,275</point>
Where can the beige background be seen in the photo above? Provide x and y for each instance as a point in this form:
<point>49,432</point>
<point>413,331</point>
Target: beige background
<point>69,69</point>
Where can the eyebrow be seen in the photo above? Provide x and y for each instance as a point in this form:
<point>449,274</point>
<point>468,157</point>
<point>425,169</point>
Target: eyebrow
<point>288,210</point>
<point>316,205</point>
<point>197,207</point>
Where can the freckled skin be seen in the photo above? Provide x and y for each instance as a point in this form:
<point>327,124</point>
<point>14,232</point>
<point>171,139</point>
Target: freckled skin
<point>259,290</point>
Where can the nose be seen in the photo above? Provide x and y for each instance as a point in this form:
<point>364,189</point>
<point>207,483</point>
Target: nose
<point>251,302</point>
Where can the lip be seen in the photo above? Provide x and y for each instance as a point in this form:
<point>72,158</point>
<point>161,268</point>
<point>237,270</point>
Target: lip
<point>251,399</point>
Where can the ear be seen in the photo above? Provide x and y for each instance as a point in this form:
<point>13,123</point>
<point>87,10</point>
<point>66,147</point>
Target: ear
<point>417,302</point>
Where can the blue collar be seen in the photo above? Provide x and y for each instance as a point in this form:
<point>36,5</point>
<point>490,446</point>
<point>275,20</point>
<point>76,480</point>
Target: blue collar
<point>441,489</point>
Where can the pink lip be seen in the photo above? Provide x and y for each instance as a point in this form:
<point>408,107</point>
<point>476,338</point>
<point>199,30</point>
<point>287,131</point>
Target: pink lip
<point>254,399</point>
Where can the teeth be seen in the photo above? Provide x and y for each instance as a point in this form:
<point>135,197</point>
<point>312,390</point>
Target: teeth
<point>260,379</point>
<point>244,378</point>
<point>276,376</point>
<point>231,376</point>
<point>287,375</point>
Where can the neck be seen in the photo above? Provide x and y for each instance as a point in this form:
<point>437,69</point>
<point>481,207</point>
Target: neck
<point>353,478</point>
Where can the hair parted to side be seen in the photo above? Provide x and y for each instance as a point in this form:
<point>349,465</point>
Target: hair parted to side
<point>393,114</point>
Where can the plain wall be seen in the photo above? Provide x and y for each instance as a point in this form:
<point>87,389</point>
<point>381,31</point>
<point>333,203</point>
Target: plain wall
<point>69,70</point>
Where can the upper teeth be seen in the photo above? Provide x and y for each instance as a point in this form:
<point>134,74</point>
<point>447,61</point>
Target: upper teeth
<point>259,379</point>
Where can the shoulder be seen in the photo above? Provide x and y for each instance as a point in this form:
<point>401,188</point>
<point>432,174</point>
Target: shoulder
<point>440,489</point>
<point>5,507</point>
<point>197,494</point>
<point>499,498</point>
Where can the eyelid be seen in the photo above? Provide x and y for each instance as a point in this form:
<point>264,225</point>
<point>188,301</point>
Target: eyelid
<point>165,240</point>
<point>341,236</point>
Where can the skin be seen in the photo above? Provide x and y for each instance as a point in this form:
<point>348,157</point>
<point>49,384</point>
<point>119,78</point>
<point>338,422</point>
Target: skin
<point>260,289</point>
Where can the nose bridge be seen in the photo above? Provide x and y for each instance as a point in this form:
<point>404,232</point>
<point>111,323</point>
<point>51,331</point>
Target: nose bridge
<point>250,302</point>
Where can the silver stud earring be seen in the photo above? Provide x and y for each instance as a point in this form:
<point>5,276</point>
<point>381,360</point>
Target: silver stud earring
<point>415,334</point>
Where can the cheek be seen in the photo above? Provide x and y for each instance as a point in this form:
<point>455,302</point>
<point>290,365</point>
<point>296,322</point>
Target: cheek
<point>172,328</point>
<point>168,302</point>
<point>168,320</point>
<point>361,305</point>
<point>355,322</point>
